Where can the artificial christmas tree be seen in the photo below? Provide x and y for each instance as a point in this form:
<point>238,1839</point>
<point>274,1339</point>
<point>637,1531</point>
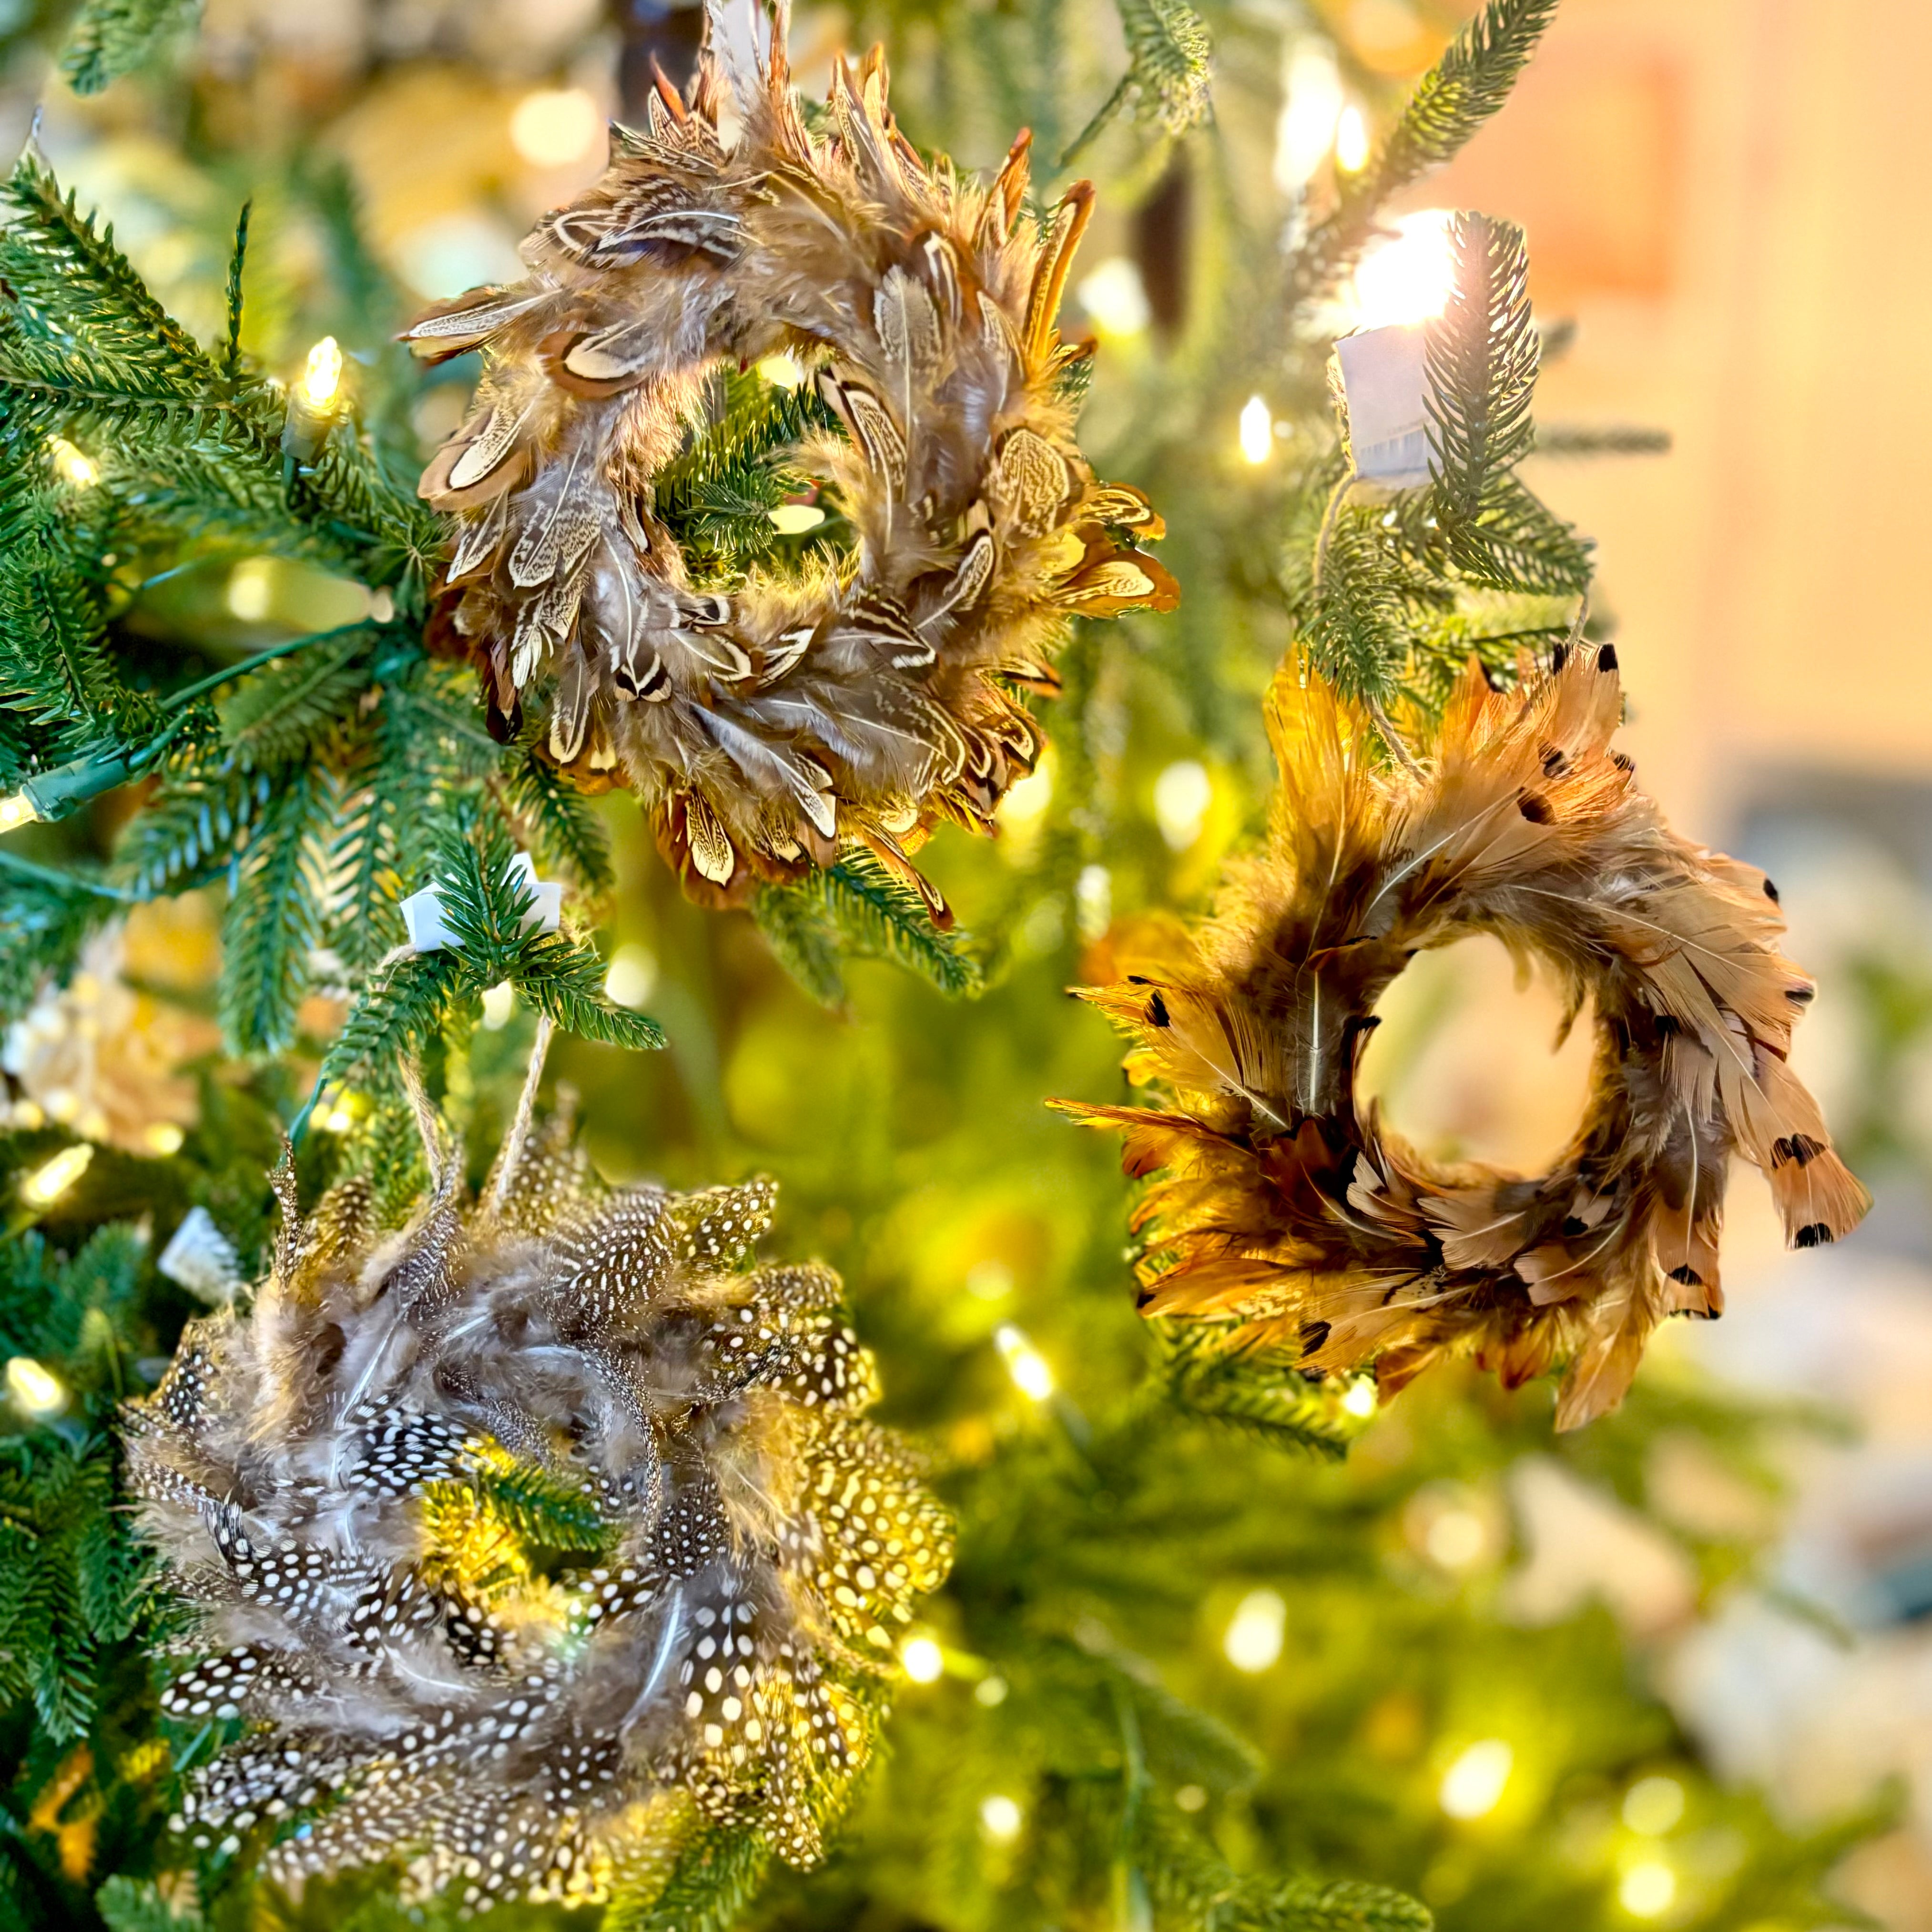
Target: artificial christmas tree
<point>1220,1646</point>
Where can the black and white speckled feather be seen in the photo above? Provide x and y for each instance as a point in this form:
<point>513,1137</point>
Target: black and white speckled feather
<point>427,1679</point>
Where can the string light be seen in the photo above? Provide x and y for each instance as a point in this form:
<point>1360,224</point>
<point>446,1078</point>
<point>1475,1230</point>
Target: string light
<point>793,519</point>
<point>1648,1890</point>
<point>33,1388</point>
<point>1311,108</point>
<point>1352,140</point>
<point>632,977</point>
<point>17,810</point>
<point>1473,1785</point>
<point>1653,1805</point>
<point>163,1137</point>
<point>1409,278</point>
<point>1257,430</point>
<point>79,470</point>
<point>1254,1638</point>
<point>1032,1374</point>
<point>47,1183</point>
<point>323,376</point>
<point>923,1660</point>
<point>781,371</point>
<point>251,590</point>
<point>555,126</point>
<point>1182,794</point>
<point>1115,298</point>
<point>499,1004</point>
<point>1000,1819</point>
<point>1360,1399</point>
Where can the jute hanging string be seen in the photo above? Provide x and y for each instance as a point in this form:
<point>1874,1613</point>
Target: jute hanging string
<point>1283,1208</point>
<point>860,697</point>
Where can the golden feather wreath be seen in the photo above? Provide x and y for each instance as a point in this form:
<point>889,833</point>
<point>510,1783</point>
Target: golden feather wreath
<point>862,702</point>
<point>1284,1209</point>
<point>370,1487</point>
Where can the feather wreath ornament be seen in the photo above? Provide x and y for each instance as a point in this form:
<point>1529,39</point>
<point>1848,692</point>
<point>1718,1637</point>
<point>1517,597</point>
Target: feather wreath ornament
<point>531,1536</point>
<point>1283,1208</point>
<point>862,702</point>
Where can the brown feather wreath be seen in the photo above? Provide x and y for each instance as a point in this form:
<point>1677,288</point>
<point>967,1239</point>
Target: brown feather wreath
<point>859,703</point>
<point>1284,1209</point>
<point>530,1537</point>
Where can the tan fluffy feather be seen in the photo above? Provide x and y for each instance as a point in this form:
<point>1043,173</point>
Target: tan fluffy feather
<point>764,728</point>
<point>1281,1205</point>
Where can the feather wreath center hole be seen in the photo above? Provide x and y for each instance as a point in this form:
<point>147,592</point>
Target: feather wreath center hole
<point>1466,1063</point>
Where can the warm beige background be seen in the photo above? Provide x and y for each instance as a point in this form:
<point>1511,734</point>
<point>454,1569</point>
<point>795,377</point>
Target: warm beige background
<point>1732,198</point>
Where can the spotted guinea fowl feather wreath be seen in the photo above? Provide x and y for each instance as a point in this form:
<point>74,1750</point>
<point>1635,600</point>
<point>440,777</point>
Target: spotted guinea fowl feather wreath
<point>863,702</point>
<point>1282,1208</point>
<point>341,1483</point>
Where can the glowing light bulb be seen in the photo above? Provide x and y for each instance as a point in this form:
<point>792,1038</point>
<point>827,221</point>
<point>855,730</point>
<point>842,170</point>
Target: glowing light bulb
<point>1409,278</point>
<point>782,372</point>
<point>1647,1890</point>
<point>163,1137</point>
<point>33,1388</point>
<point>923,1660</point>
<point>1311,108</point>
<point>1026,801</point>
<point>1653,1805</point>
<point>1455,1539</point>
<point>499,1004</point>
<point>555,126</point>
<point>1254,1638</point>
<point>251,590</point>
<point>336,1120</point>
<point>69,463</point>
<point>1115,298</point>
<point>990,1691</point>
<point>1473,1785</point>
<point>632,977</point>
<point>1352,140</point>
<point>1000,1819</point>
<point>1360,1399</point>
<point>323,376</point>
<point>47,1183</point>
<point>1032,1374</point>
<point>793,519</point>
<point>1257,430</point>
<point>17,810</point>
<point>1182,794</point>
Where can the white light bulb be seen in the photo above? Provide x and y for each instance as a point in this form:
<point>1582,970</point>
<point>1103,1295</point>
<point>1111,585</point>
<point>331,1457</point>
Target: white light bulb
<point>1257,430</point>
<point>1254,1638</point>
<point>782,371</point>
<point>1311,107</point>
<point>1182,794</point>
<point>33,1389</point>
<point>1352,141</point>
<point>1473,1785</point>
<point>17,810</point>
<point>555,126</point>
<point>1647,1890</point>
<point>1360,1399</point>
<point>323,376</point>
<point>1653,1805</point>
<point>1000,1819</point>
<point>499,1004</point>
<point>1032,1374</point>
<point>1115,298</point>
<point>46,1184</point>
<point>632,977</point>
<point>76,469</point>
<point>251,590</point>
<point>793,519</point>
<point>923,1660</point>
<point>1408,277</point>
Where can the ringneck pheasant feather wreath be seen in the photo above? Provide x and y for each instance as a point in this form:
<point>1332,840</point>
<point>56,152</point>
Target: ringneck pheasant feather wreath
<point>861,702</point>
<point>536,1534</point>
<point>1284,1210</point>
